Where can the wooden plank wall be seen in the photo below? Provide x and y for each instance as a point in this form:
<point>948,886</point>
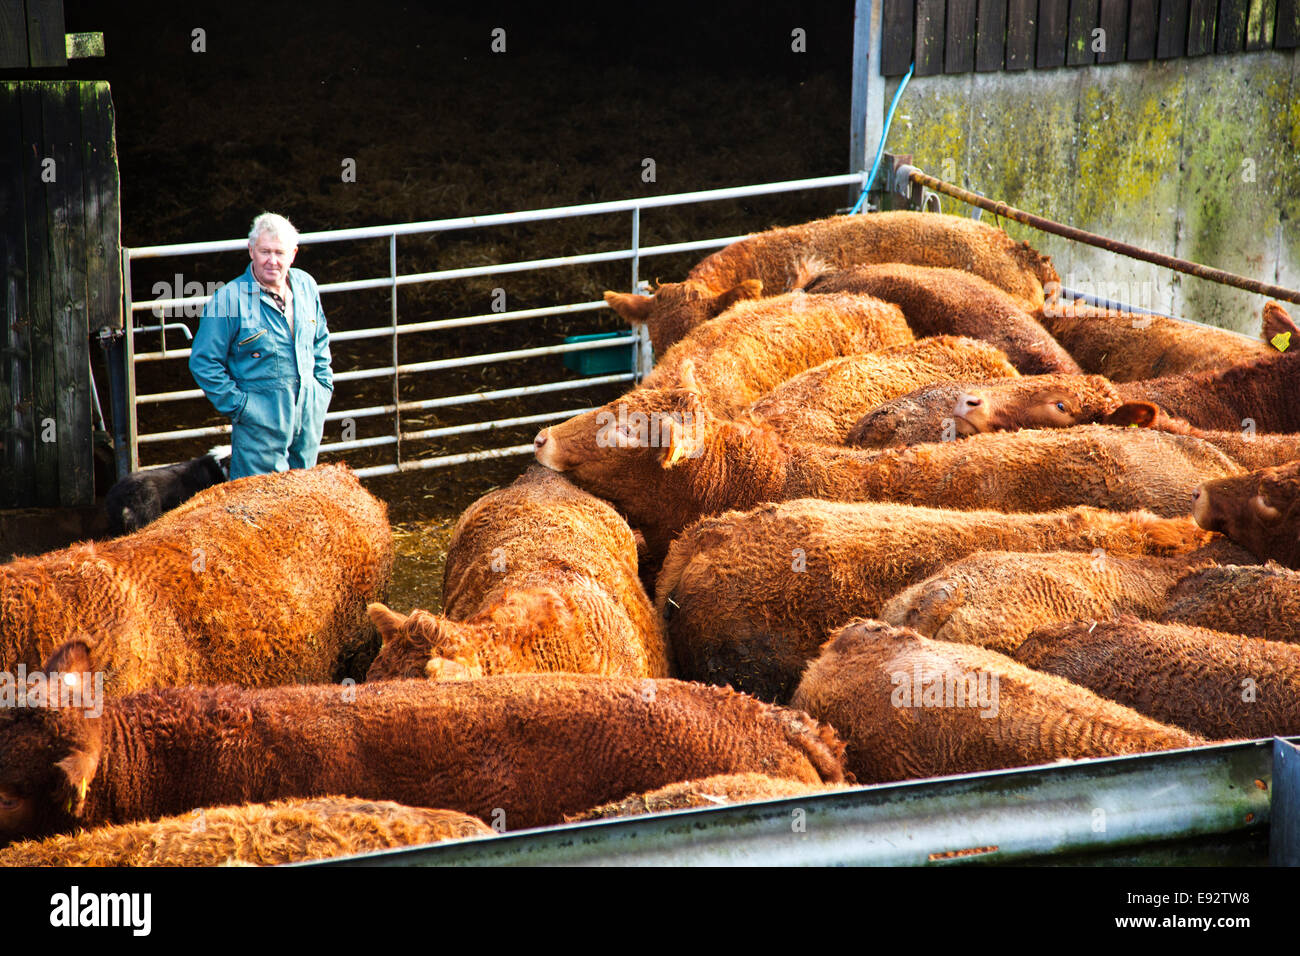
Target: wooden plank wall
<point>59,251</point>
<point>958,36</point>
<point>32,34</point>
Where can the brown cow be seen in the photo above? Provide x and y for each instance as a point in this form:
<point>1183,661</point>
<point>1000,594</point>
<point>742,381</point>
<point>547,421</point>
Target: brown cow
<point>822,404</point>
<point>756,345</point>
<point>1046,401</point>
<point>955,302</point>
<point>259,581</point>
<point>1128,347</point>
<point>1219,685</point>
<point>286,831</point>
<point>993,599</point>
<point>773,262</point>
<point>1060,401</point>
<point>663,461</point>
<point>520,749</point>
<point>1259,510</point>
<point>749,597</point>
<point>539,577</point>
<point>1259,600</point>
<point>911,707</point>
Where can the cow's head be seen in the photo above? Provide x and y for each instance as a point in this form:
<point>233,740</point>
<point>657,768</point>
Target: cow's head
<point>1047,401</point>
<point>630,441</point>
<point>1259,511</point>
<point>641,453</point>
<point>429,645</point>
<point>677,307</point>
<point>49,750</point>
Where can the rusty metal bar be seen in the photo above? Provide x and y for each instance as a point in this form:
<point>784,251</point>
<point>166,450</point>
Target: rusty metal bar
<point>1101,242</point>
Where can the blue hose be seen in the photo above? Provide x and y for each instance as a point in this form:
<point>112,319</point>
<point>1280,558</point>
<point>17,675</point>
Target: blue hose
<point>884,134</point>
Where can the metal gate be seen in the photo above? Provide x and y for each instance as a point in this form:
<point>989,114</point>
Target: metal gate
<point>637,339</point>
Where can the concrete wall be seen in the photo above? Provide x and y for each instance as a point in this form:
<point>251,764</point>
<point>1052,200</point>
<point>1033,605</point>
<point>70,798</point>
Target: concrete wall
<point>1197,158</point>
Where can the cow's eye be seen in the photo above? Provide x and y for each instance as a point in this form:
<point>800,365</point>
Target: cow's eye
<point>1060,406</point>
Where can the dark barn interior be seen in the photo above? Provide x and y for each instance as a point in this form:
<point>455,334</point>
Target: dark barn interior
<point>260,110</point>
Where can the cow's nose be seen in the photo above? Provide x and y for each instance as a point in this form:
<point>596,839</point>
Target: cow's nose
<point>540,440</point>
<point>967,402</point>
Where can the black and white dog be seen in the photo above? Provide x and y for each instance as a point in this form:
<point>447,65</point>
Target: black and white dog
<point>143,495</point>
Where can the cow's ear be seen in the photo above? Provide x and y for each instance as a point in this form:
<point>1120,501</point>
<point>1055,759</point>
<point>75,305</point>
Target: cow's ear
<point>749,289</point>
<point>679,441</point>
<point>71,657</point>
<point>79,767</point>
<point>387,622</point>
<point>1262,510</point>
<point>1133,415</point>
<point>642,548</point>
<point>634,308</point>
<point>1278,328</point>
<point>688,380</point>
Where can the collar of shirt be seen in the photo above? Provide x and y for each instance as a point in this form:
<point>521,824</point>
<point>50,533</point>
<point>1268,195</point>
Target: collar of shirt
<point>278,299</point>
<point>285,304</point>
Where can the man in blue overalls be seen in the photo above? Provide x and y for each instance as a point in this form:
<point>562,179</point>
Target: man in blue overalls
<point>262,356</point>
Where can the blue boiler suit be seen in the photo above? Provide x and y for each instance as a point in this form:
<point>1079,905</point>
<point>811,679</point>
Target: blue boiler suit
<point>272,384</point>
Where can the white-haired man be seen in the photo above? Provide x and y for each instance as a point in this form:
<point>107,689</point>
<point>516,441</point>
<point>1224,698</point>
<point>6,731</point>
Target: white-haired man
<point>262,356</point>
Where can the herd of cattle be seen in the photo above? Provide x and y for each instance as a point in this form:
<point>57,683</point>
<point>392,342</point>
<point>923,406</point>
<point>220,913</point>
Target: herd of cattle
<point>902,510</point>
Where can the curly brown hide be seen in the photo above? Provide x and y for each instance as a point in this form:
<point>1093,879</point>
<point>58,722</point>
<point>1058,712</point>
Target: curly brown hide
<point>995,598</point>
<point>1025,718</point>
<point>756,345</point>
<point>540,576</point>
<point>749,597</point>
<point>1258,600</point>
<point>736,465</point>
<point>823,403</point>
<point>533,747</point>
<point>778,259</point>
<point>287,831</point>
<point>259,581</point>
<point>919,417</point>
<point>1127,347</point>
<point>957,302</point>
<point>1211,683</point>
<point>710,792</point>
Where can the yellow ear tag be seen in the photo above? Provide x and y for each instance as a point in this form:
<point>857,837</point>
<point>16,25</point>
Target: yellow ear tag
<point>85,785</point>
<point>677,453</point>
<point>1281,341</point>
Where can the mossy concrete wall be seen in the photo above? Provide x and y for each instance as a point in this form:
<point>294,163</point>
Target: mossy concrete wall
<point>1197,158</point>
